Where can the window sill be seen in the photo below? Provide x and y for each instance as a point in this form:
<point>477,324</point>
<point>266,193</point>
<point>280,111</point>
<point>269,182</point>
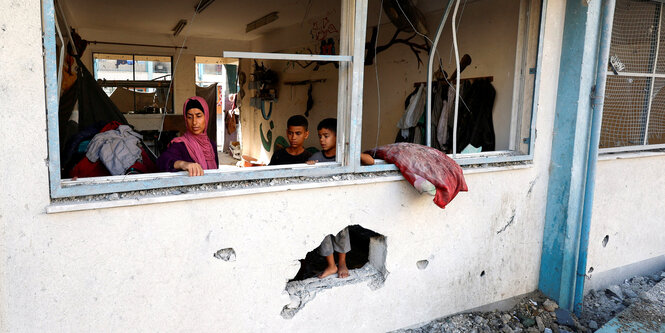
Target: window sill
<point>629,155</point>
<point>218,190</point>
<point>236,188</point>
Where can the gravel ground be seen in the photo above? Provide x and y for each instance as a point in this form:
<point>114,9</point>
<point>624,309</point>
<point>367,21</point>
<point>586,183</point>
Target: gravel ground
<point>535,313</point>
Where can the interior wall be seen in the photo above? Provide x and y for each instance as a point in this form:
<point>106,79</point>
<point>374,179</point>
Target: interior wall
<point>490,40</point>
<point>303,38</point>
<point>487,31</point>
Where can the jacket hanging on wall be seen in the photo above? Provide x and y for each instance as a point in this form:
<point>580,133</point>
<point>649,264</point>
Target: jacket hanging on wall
<point>475,124</point>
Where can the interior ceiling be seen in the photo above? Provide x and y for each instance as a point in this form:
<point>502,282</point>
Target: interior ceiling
<point>223,19</point>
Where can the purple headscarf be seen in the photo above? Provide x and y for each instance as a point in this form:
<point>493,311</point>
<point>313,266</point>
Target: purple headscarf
<point>198,146</point>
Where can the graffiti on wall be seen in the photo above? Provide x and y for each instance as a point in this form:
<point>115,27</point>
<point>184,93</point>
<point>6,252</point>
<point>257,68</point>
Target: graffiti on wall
<point>324,35</point>
<point>323,28</point>
<point>326,47</point>
<point>266,140</point>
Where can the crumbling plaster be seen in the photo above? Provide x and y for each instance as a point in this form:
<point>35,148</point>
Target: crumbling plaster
<point>151,267</point>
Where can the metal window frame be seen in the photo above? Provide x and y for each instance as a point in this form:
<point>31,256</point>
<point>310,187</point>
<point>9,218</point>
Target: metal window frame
<point>170,104</point>
<point>645,146</point>
<point>351,58</point>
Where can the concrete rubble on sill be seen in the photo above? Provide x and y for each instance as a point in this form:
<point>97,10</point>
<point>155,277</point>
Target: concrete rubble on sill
<point>213,190</point>
<point>222,189</point>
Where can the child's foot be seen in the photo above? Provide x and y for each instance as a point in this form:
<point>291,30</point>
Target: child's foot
<point>343,271</point>
<point>330,270</point>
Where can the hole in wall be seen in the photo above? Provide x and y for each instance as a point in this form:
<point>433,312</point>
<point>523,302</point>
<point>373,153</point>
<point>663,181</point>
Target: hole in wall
<point>227,254</point>
<point>422,264</point>
<point>605,240</point>
<point>366,262</point>
<point>482,273</point>
<point>314,263</point>
<point>590,270</point>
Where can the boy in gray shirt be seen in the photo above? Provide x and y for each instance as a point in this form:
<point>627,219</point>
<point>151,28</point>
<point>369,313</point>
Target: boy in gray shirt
<point>340,243</point>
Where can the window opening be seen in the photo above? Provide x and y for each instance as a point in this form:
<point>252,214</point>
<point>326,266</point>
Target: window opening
<point>337,43</point>
<point>634,107</point>
<point>136,83</point>
<point>497,78</point>
<point>329,24</point>
<point>366,262</point>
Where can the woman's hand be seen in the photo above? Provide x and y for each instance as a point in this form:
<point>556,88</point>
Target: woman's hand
<point>194,169</point>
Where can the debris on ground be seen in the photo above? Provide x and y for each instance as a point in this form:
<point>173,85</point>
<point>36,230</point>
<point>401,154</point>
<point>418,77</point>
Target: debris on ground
<point>535,313</point>
<point>602,305</point>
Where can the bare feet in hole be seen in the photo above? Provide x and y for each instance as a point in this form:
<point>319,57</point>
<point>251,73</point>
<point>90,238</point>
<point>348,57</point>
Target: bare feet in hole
<point>330,270</point>
<point>343,271</point>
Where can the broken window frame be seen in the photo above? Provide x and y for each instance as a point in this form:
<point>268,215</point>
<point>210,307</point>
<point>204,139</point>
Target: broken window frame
<point>651,77</point>
<point>351,70</point>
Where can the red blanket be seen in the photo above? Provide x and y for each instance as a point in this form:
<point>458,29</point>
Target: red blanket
<point>435,166</point>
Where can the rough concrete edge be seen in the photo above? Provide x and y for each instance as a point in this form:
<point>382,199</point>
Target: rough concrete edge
<point>302,292</point>
<point>628,321</point>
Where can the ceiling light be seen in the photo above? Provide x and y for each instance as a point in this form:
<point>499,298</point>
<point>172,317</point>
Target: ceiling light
<point>178,27</point>
<point>203,4</point>
<point>262,21</point>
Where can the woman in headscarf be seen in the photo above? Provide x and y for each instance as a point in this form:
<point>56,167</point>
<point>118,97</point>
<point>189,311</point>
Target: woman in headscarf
<point>194,151</point>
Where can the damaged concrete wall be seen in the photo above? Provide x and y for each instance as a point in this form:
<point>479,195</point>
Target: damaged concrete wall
<point>627,235</point>
<point>152,267</point>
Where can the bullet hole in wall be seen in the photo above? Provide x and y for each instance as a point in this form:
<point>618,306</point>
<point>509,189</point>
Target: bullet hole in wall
<point>590,270</point>
<point>227,254</point>
<point>605,240</point>
<point>482,273</point>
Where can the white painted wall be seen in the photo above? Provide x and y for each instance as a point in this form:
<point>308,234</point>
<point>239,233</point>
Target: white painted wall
<point>629,208</point>
<point>151,267</point>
